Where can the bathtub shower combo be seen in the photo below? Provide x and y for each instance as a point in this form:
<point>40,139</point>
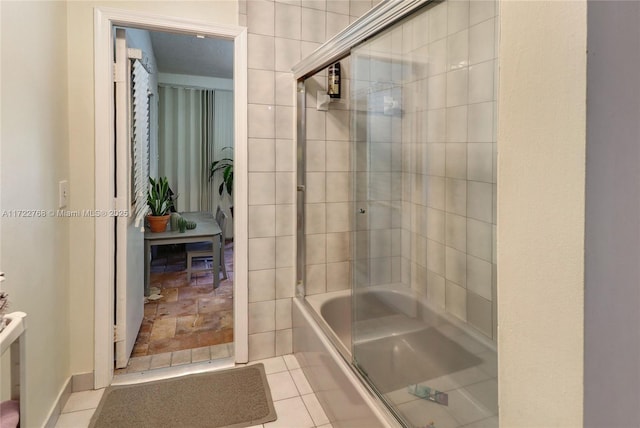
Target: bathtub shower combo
<point>395,313</point>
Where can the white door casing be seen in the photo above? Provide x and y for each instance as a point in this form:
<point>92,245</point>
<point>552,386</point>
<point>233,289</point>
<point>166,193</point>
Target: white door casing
<point>104,21</point>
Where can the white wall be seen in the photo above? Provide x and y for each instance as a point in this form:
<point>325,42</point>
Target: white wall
<point>612,272</point>
<point>34,147</point>
<point>81,147</point>
<point>541,204</point>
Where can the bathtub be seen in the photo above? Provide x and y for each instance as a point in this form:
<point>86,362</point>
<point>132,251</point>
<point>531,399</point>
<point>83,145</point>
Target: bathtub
<point>391,326</point>
<point>342,393</point>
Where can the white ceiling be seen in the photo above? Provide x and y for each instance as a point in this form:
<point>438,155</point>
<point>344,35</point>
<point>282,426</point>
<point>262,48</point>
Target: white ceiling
<point>186,54</point>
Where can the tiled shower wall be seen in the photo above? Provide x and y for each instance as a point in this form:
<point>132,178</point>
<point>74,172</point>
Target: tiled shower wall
<point>425,100</point>
<point>440,66</point>
<point>459,147</point>
<point>281,33</point>
<point>328,196</point>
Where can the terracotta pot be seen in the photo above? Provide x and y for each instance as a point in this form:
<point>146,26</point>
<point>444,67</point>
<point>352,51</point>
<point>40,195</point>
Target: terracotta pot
<point>158,223</point>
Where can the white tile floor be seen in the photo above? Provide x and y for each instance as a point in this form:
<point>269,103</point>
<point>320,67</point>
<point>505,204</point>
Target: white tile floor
<point>293,399</point>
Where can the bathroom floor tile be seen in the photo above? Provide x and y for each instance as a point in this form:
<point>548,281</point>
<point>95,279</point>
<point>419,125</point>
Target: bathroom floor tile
<point>272,365</point>
<point>291,413</point>
<point>75,419</point>
<point>282,386</point>
<point>301,381</point>
<point>83,400</point>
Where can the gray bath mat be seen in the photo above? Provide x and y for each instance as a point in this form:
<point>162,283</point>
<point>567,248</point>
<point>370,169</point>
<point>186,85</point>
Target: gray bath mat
<point>237,397</point>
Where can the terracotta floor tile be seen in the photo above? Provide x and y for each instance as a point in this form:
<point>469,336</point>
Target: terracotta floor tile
<point>150,309</point>
<point>189,341</point>
<point>164,345</point>
<point>226,319</point>
<point>190,314</point>
<point>185,293</point>
<point>163,328</point>
<point>170,295</point>
<point>143,337</point>
<point>212,338</point>
<point>188,324</point>
<point>176,309</point>
<point>140,350</point>
<point>214,304</point>
<point>227,334</point>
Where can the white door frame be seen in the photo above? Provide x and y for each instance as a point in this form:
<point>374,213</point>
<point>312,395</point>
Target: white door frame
<point>104,20</point>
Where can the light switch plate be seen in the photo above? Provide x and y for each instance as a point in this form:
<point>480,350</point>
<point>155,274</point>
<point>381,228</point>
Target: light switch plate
<point>63,193</point>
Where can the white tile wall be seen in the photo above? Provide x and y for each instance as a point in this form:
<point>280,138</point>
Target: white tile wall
<point>262,221</point>
<point>456,300</point>
<point>262,190</point>
<point>262,52</point>
<point>313,25</point>
<point>285,220</point>
<point>261,87</point>
<point>262,316</point>
<point>262,253</point>
<point>260,17</point>
<point>451,110</point>
<point>285,251</point>
<point>288,20</point>
<point>287,53</point>
<point>262,285</point>
<point>261,154</point>
<point>482,41</point>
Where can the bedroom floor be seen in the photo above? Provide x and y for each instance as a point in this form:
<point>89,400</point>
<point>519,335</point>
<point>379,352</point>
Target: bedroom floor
<point>191,322</point>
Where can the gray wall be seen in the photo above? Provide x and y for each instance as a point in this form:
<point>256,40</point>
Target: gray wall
<point>612,259</point>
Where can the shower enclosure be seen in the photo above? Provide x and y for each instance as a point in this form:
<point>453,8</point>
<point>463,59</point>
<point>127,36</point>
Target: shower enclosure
<point>396,180</point>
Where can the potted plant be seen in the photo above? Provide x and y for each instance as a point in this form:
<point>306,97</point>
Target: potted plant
<point>225,166</point>
<point>160,202</point>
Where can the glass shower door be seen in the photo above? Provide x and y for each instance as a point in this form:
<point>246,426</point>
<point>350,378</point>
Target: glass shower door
<point>380,273</point>
<point>423,330</point>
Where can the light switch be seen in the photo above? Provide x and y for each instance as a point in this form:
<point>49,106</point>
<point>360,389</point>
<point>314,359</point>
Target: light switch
<point>63,193</point>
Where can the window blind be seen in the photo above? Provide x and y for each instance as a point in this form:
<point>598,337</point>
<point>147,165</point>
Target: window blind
<point>140,137</point>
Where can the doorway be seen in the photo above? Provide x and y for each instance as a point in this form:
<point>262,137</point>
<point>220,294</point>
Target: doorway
<point>106,268</point>
<point>181,128</point>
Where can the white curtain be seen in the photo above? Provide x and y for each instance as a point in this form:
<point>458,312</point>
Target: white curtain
<point>218,131</point>
<point>180,144</point>
<point>194,126</point>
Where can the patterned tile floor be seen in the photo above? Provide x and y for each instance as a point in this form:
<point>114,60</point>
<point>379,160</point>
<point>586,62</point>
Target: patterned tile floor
<point>191,315</point>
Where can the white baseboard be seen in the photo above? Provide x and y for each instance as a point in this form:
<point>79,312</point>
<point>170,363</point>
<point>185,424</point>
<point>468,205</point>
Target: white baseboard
<point>76,383</point>
<point>57,407</point>
<point>82,382</point>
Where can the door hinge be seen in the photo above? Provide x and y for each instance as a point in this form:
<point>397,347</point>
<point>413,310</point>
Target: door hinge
<point>119,72</point>
<point>117,334</point>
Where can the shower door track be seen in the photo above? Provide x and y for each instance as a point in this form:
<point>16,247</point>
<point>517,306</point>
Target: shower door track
<point>368,25</point>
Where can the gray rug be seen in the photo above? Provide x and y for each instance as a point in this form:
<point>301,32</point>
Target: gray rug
<point>237,397</point>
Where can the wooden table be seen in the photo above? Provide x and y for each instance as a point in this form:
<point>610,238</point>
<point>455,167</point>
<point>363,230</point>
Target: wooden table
<point>206,230</point>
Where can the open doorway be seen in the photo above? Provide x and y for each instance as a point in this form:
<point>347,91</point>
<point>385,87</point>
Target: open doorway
<point>181,100</point>
<point>108,165</point>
